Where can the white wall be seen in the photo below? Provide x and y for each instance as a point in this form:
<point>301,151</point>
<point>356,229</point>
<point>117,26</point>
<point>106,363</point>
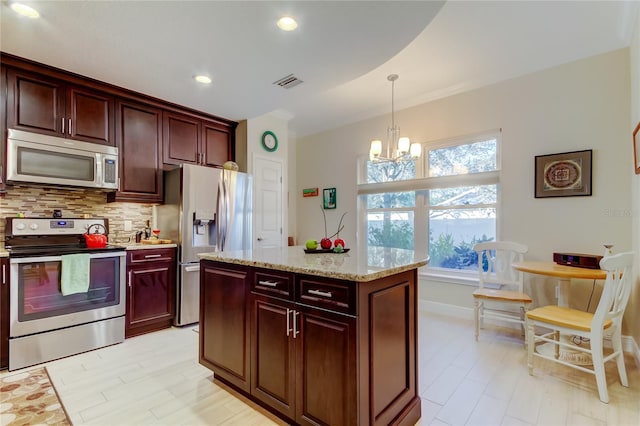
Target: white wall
<point>576,106</point>
<point>634,302</point>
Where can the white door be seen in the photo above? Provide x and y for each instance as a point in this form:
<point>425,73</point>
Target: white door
<point>268,205</point>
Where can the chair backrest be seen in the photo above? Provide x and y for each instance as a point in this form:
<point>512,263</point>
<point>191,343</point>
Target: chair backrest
<point>616,291</point>
<point>495,260</point>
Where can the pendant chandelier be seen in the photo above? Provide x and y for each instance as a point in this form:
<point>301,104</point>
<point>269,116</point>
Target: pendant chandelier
<point>398,148</point>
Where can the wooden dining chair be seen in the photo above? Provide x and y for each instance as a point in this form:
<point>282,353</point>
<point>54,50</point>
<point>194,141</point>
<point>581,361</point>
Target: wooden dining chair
<point>606,318</point>
<point>499,285</point>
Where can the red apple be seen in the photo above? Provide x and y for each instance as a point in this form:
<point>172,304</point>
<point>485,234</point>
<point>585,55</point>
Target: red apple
<point>325,243</point>
<point>338,241</point>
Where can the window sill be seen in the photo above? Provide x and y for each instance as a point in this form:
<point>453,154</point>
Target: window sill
<point>448,277</point>
<point>453,278</point>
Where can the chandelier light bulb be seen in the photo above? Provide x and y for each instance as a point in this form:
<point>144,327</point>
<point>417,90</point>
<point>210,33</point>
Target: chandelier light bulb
<point>403,145</point>
<point>416,150</point>
<point>376,149</point>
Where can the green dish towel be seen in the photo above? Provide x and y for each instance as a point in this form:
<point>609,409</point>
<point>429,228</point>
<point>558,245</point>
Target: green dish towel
<point>75,273</point>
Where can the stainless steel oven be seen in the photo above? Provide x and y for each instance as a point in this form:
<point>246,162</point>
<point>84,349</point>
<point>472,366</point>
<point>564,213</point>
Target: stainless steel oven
<point>45,324</point>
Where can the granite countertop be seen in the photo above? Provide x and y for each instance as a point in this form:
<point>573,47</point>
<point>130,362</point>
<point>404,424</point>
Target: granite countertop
<point>140,246</point>
<point>356,265</point>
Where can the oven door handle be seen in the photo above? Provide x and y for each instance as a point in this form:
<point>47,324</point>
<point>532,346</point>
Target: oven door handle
<point>35,259</point>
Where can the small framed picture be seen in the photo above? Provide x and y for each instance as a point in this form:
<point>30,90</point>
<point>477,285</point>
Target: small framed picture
<point>329,198</point>
<point>563,175</point>
<point>310,192</point>
<point>636,148</point>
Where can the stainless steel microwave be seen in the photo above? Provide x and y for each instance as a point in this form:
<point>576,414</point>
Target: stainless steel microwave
<point>36,158</point>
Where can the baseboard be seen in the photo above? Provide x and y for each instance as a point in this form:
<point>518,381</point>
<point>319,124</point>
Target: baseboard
<point>629,345</point>
<point>445,309</point>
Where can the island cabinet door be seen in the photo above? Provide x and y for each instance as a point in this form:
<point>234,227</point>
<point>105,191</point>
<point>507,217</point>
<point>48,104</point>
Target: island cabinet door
<point>273,360</point>
<point>326,355</point>
<point>390,306</point>
<point>224,323</point>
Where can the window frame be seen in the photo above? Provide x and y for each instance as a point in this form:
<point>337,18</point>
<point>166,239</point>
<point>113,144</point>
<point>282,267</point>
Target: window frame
<point>421,185</point>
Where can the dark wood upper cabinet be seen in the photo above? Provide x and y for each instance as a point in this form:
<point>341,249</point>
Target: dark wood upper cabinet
<point>194,140</point>
<point>217,143</point>
<point>150,133</point>
<point>181,139</point>
<point>139,143</point>
<point>3,129</point>
<point>50,106</point>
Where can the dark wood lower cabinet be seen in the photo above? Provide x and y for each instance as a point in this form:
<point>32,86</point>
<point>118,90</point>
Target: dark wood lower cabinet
<point>326,356</point>
<point>224,320</point>
<point>355,364</point>
<point>151,289</point>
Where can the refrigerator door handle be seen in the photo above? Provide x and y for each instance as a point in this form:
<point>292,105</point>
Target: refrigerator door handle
<point>220,217</point>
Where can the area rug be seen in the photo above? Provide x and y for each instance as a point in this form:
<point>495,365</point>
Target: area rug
<point>29,398</point>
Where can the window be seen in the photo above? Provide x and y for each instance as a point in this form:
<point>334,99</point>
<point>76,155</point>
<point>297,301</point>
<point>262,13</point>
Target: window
<point>443,203</point>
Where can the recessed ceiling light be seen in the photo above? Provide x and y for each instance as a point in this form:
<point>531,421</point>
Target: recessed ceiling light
<point>287,23</point>
<point>24,10</point>
<point>202,79</point>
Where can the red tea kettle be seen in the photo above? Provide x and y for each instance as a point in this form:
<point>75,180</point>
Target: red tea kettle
<point>97,239</point>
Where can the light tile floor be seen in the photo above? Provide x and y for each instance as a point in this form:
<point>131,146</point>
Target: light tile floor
<point>155,379</point>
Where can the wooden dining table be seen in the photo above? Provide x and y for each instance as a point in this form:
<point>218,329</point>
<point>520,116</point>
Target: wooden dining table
<point>564,274</point>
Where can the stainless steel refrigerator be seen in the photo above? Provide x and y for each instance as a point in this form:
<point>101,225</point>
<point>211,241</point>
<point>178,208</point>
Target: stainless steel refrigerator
<point>205,210</point>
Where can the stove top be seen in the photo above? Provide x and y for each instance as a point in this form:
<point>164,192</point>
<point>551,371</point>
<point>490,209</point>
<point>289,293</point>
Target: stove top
<point>30,237</point>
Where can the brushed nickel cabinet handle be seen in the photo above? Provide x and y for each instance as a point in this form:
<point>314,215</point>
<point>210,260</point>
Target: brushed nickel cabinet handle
<point>62,125</point>
<point>129,279</point>
<point>321,293</point>
<point>295,324</point>
<point>151,256</point>
<point>4,274</point>
<point>269,283</point>
<point>69,126</point>
<point>288,321</point>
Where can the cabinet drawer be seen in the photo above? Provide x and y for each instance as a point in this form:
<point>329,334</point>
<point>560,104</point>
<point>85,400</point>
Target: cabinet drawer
<point>274,284</point>
<point>150,255</point>
<point>329,294</point>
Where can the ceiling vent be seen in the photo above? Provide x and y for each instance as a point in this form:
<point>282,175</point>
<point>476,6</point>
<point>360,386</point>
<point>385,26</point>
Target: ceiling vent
<point>288,82</point>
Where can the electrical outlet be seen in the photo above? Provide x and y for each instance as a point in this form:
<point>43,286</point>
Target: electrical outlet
<point>128,226</point>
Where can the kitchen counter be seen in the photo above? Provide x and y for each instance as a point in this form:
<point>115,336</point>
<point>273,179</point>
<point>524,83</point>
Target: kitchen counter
<point>140,246</point>
<point>356,265</point>
<point>128,246</point>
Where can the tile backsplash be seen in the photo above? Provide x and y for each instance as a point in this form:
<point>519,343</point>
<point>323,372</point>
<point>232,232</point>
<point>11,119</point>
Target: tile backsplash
<point>41,201</point>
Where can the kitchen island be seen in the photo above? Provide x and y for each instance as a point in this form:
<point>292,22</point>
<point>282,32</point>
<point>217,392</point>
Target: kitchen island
<point>318,339</point>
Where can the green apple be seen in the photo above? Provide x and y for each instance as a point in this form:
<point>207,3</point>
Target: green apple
<point>311,244</point>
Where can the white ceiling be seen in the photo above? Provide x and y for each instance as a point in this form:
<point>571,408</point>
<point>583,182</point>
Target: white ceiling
<point>342,50</point>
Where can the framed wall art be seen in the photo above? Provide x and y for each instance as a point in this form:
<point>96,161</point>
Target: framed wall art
<point>329,198</point>
<point>636,148</point>
<point>563,175</point>
<point>310,192</point>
